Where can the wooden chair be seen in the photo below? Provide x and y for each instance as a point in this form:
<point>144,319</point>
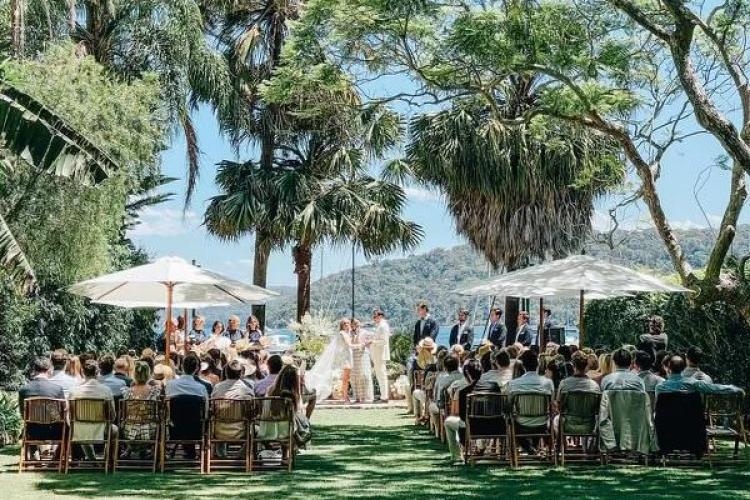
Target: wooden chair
<point>147,418</point>
<point>679,422</point>
<point>90,424</point>
<point>184,427</point>
<point>230,423</point>
<point>487,419</point>
<point>273,418</point>
<point>45,423</point>
<point>724,414</point>
<point>531,419</point>
<point>579,420</point>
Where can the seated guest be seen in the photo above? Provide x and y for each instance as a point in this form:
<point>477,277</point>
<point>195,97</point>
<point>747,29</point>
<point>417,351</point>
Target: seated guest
<point>275,364</point>
<point>232,387</point>
<point>73,369</point>
<point>579,381</point>
<point>197,377</point>
<point>59,376</point>
<point>530,381</point>
<point>622,379</point>
<point>41,387</point>
<point>253,332</point>
<point>694,357</point>
<point>107,377</point>
<point>605,368</point>
<point>644,363</point>
<point>233,332</point>
<point>142,390</point>
<point>286,385</point>
<point>453,424</point>
<point>431,373</point>
<point>659,359</point>
<point>210,372</point>
<point>162,374</point>
<point>442,382</point>
<point>496,379</point>
<point>185,384</point>
<point>92,388</point>
<point>122,369</point>
<point>217,339</point>
<point>566,367</point>
<point>677,382</point>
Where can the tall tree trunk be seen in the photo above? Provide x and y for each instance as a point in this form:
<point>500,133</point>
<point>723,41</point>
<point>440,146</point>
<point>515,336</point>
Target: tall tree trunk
<point>302,255</point>
<point>18,27</point>
<point>260,273</point>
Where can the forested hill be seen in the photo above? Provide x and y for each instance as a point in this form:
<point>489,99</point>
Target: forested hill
<point>396,284</point>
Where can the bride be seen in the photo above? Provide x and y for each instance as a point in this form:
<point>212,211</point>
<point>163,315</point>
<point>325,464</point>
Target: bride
<point>333,365</point>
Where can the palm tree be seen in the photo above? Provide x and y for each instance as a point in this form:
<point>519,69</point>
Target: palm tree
<point>317,192</point>
<point>252,35</point>
<point>35,134</point>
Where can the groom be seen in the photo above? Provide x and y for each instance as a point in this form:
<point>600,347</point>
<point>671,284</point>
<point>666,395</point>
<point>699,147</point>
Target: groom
<point>380,352</point>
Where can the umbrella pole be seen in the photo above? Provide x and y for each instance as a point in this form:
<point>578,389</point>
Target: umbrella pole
<point>168,325</point>
<point>487,322</point>
<point>581,326</point>
<point>541,324</point>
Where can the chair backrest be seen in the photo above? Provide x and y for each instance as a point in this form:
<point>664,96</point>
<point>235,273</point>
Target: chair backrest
<point>487,413</point>
<point>91,410</point>
<point>723,407</point>
<point>579,411</point>
<point>231,410</point>
<point>625,419</point>
<point>680,423</point>
<point>44,411</point>
<point>186,416</point>
<point>531,409</point>
<point>140,411</point>
<point>273,409</point>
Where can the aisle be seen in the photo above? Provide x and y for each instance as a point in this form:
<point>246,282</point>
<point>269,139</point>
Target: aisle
<point>378,454</point>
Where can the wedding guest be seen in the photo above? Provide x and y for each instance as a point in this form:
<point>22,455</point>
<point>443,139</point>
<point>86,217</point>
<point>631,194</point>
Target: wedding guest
<point>186,384</point>
<point>198,333</point>
<point>677,382</point>
<point>209,371</point>
<point>443,381</point>
<point>73,369</point>
<point>107,377</point>
<point>92,388</point>
<point>462,333</point>
<point>498,332</point>
<point>232,387</point>
<point>496,379</point>
<point>122,369</point>
<point>141,389</point>
<point>275,364</point>
<point>254,333</point>
<point>40,385</point>
<point>644,363</point>
<point>656,339</point>
<point>579,381</point>
<point>453,424</point>
<point>233,333</point>
<point>217,340</point>
<point>694,357</point>
<point>622,379</point>
<point>59,376</point>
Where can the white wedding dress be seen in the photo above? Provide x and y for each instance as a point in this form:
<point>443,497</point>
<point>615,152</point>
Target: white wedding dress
<point>325,375</point>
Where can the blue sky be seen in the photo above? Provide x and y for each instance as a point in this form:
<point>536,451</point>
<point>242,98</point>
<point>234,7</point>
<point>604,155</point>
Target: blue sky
<point>165,230</point>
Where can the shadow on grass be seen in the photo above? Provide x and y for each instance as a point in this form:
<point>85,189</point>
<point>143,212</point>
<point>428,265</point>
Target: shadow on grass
<point>395,461</point>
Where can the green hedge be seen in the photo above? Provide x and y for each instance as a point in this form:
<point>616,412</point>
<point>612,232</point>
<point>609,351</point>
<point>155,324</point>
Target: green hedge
<point>716,328</point>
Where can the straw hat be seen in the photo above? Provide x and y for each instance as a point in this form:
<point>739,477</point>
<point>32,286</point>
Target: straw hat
<point>427,343</point>
<point>484,349</point>
<point>426,352</point>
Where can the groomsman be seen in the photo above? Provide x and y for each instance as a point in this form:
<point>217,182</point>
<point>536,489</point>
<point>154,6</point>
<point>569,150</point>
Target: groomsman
<point>462,333</point>
<point>425,326</point>
<point>498,332</point>
<point>524,334</point>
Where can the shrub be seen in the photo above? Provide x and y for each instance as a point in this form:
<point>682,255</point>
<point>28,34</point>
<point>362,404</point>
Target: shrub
<point>401,347</point>
<point>10,419</point>
<point>717,328</point>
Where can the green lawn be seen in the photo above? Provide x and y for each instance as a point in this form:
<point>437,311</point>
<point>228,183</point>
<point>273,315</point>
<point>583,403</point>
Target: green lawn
<point>378,454</point>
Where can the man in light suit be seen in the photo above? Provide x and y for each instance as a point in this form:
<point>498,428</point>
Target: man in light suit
<point>425,326</point>
<point>380,352</point>
<point>462,333</point>
<point>497,332</point>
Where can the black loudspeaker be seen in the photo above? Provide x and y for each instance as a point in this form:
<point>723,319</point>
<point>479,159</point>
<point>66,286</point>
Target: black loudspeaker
<point>556,334</point>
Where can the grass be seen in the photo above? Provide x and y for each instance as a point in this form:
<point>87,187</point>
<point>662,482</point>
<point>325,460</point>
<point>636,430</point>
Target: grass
<point>379,454</point>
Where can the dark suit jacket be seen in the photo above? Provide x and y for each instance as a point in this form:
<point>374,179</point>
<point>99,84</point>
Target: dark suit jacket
<point>430,330</point>
<point>524,335</point>
<point>497,334</point>
<point>467,337</point>
<point>39,388</point>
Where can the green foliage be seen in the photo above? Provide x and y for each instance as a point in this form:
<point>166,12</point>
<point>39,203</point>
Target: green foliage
<point>718,329</point>
<point>10,419</point>
<point>401,347</point>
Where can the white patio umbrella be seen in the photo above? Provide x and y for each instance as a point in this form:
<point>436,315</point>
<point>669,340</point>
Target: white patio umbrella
<point>575,275</point>
<point>169,282</point>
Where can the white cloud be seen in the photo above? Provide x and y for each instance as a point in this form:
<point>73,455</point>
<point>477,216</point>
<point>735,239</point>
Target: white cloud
<point>162,221</point>
<point>421,194</point>
<point>601,221</point>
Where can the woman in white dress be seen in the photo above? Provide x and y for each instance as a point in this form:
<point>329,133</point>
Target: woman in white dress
<point>335,361</point>
<point>361,371</point>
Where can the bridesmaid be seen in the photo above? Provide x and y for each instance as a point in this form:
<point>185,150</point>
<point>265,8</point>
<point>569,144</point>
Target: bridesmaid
<point>361,370</point>
<point>343,356</point>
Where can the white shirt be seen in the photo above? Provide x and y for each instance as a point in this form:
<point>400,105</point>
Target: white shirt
<point>65,381</point>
